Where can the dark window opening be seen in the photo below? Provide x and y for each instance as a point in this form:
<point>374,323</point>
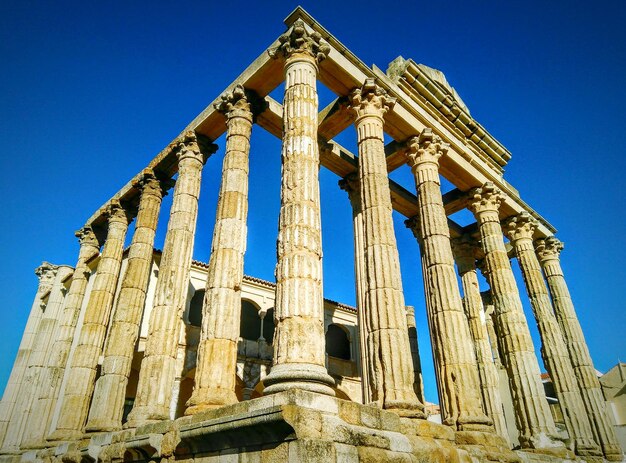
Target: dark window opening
<point>337,342</point>
<point>250,327</point>
<point>268,326</point>
<point>195,308</point>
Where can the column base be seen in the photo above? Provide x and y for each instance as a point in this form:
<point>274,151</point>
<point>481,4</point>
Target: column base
<point>613,453</point>
<point>209,399</point>
<point>405,409</point>
<point>146,415</point>
<point>102,425</point>
<point>306,376</point>
<point>61,435</point>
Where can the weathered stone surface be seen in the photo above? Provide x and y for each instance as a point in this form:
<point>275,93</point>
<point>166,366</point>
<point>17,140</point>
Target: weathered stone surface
<point>520,230</point>
<point>84,361</point>
<point>549,250</point>
<point>455,359</point>
<point>299,355</point>
<point>464,249</point>
<point>532,415</point>
<point>390,366</point>
<point>157,372</point>
<point>217,351</point>
<point>108,398</point>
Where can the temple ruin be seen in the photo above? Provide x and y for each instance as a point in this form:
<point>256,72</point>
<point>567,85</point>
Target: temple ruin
<point>145,355</point>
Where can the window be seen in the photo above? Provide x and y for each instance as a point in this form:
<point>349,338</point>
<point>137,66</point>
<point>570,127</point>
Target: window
<point>195,308</point>
<point>268,326</point>
<point>250,327</point>
<point>337,342</point>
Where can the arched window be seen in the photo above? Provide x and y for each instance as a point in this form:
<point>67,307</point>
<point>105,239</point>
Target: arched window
<point>268,326</point>
<point>195,308</point>
<point>337,342</point>
<point>250,327</point>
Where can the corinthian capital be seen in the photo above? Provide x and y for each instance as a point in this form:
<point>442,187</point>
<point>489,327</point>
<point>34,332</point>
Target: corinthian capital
<point>235,103</point>
<point>115,212</point>
<point>465,250</point>
<point>485,198</point>
<point>521,226</point>
<point>46,273</point>
<point>370,99</point>
<point>86,237</point>
<point>427,147</point>
<point>548,248</point>
<point>149,183</point>
<point>298,40</point>
<point>194,146</point>
<point>413,224</point>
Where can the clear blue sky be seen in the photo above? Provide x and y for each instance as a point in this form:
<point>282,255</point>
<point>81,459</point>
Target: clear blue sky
<point>89,93</point>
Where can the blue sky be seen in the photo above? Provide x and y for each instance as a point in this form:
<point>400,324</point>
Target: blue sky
<point>89,93</point>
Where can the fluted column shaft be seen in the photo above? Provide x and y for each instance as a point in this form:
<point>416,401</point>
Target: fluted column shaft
<point>472,303</point>
<point>36,362</point>
<point>52,377</point>
<point>158,367</point>
<point>532,414</point>
<point>351,185</point>
<point>390,365</point>
<point>14,386</point>
<point>84,362</point>
<point>217,351</point>
<point>520,231</point>
<point>418,383</point>
<point>459,386</point>
<point>548,251</point>
<point>107,406</point>
<point>299,351</point>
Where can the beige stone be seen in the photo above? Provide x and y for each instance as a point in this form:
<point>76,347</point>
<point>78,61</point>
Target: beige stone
<point>158,372</point>
<point>108,398</point>
<point>549,250</point>
<point>390,365</point>
<point>520,230</point>
<point>532,415</point>
<point>299,357</point>
<point>455,362</point>
<point>84,361</point>
<point>464,249</point>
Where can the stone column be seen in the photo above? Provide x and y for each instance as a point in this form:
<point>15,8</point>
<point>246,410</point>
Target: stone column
<point>519,229</point>
<point>389,362</point>
<point>459,386</point>
<point>299,354</point>
<point>464,249</point>
<point>107,405</point>
<point>418,384</point>
<point>217,350</point>
<point>351,185</point>
<point>84,362</point>
<point>532,414</point>
<point>40,358</point>
<point>548,251</point>
<point>52,377</point>
<point>14,386</point>
<point>24,397</point>
<point>158,367</point>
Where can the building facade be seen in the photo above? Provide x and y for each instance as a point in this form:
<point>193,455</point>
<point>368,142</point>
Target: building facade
<point>144,355</point>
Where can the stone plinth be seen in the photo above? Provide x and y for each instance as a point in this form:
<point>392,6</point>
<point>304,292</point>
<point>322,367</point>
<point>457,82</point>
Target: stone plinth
<point>292,426</point>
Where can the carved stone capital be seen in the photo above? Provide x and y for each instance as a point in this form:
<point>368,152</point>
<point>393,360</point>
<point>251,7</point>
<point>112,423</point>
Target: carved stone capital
<point>425,148</point>
<point>149,183</point>
<point>115,212</point>
<point>86,237</point>
<point>485,198</point>
<point>191,145</point>
<point>350,183</point>
<point>46,272</point>
<point>413,224</point>
<point>298,40</point>
<point>465,250</point>
<point>235,104</point>
<point>370,99</point>
<point>548,248</point>
<point>521,226</point>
